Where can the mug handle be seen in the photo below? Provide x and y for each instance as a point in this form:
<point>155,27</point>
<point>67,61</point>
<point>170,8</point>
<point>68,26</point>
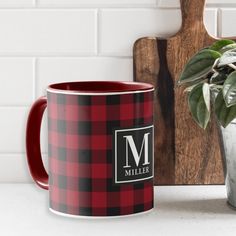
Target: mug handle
<point>33,151</point>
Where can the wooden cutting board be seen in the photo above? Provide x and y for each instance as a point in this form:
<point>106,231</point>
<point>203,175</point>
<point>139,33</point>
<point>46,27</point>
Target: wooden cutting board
<point>184,153</point>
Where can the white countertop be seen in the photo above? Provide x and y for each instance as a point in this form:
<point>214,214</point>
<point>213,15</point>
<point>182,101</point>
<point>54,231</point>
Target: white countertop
<point>179,210</point>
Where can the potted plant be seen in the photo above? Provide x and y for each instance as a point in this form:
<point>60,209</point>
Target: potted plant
<point>209,78</point>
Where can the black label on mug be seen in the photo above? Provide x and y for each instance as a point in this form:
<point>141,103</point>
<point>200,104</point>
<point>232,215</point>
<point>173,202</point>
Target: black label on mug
<point>133,154</point>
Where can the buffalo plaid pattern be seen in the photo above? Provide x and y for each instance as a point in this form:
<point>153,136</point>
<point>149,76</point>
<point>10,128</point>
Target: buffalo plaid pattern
<point>81,178</point>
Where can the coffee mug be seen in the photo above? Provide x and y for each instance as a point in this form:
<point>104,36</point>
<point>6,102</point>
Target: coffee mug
<point>100,147</point>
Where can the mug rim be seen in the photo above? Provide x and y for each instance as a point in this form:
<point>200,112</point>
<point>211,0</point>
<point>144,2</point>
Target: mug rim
<point>105,87</point>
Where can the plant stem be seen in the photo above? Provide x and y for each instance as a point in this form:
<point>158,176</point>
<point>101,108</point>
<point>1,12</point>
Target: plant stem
<point>216,86</point>
<point>219,82</point>
<point>232,66</point>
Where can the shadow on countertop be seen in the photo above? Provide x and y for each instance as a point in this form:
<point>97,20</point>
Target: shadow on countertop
<point>204,206</point>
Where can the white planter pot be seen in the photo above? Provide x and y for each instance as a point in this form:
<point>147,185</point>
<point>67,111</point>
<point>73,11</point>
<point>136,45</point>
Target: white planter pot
<point>229,140</point>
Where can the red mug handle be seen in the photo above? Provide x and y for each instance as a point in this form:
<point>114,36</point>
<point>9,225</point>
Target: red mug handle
<point>33,151</point>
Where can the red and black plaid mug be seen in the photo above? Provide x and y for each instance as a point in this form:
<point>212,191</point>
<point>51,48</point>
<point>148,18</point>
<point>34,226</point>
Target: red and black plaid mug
<point>100,147</point>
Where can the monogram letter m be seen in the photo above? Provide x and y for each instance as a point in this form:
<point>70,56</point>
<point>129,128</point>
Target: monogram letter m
<point>129,141</point>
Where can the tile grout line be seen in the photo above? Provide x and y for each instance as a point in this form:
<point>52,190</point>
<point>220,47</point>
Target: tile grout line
<point>19,153</point>
<point>22,54</point>
<point>68,56</point>
<point>219,22</point>
<point>34,78</point>
<point>96,32</point>
<point>37,6</point>
<point>13,106</point>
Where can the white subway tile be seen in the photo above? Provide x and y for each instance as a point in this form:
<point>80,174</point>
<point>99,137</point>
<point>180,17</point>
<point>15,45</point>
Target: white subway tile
<point>53,70</point>
<point>223,2</point>
<point>16,3</point>
<point>120,28</point>
<point>14,168</point>
<point>30,32</point>
<point>176,3</point>
<point>210,21</point>
<point>96,3</point>
<point>12,126</point>
<point>228,17</point>
<point>169,3</point>
<point>44,133</point>
<point>16,76</point>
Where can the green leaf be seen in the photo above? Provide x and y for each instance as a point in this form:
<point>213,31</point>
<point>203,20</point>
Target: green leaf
<point>229,90</point>
<point>224,114</point>
<point>206,95</point>
<point>228,48</point>
<point>199,66</point>
<point>227,58</point>
<point>218,45</point>
<point>190,87</point>
<point>199,104</point>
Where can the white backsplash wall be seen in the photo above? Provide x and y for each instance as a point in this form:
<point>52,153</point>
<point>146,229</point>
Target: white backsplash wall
<point>47,41</point>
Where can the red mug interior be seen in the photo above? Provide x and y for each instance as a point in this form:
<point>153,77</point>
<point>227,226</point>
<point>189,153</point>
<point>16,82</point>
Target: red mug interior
<point>99,87</point>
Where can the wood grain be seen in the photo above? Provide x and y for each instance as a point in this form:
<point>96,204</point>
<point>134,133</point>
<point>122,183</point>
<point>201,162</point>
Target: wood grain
<point>184,153</point>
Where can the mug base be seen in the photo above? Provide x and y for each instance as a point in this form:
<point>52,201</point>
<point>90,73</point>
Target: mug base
<point>98,217</point>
